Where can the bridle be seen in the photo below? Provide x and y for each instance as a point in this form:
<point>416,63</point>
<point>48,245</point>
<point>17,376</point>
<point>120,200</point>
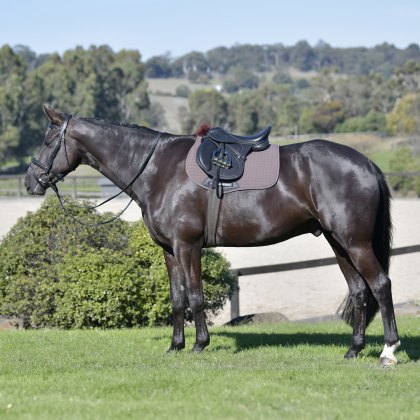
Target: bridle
<point>45,180</point>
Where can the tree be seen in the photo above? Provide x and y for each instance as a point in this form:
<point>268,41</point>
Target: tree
<point>405,117</point>
<point>244,114</point>
<point>94,82</point>
<point>205,106</point>
<point>129,84</point>
<point>323,118</point>
<point>158,67</point>
<point>191,64</point>
<point>12,77</point>
<point>303,56</point>
<point>240,78</point>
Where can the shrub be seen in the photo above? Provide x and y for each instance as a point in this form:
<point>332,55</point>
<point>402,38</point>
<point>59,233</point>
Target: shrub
<point>56,273</point>
<point>405,117</point>
<point>373,121</point>
<point>183,91</point>
<point>404,161</point>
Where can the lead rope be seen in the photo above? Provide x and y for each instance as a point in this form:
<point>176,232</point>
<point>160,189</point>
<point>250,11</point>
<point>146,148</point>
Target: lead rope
<point>62,201</point>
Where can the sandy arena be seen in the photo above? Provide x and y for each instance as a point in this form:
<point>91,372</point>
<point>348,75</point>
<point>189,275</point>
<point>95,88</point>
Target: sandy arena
<point>298,294</point>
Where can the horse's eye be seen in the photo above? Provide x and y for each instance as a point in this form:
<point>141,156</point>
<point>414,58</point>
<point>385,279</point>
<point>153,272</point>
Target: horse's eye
<point>48,140</point>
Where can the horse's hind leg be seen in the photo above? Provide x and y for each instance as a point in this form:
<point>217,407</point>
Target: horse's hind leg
<point>178,299</point>
<point>359,299</point>
<point>368,266</point>
<point>189,256</point>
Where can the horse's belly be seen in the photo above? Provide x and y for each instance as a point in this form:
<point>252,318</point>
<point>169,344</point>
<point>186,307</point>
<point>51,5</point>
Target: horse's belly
<point>255,219</point>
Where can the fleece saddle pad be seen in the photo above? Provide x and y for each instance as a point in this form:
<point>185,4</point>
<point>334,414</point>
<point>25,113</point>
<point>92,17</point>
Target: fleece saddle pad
<point>261,170</point>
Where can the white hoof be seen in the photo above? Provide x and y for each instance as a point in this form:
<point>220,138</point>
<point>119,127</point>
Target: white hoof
<point>387,357</point>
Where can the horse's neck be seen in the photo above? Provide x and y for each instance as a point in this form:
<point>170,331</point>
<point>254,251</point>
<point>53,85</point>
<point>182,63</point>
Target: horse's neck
<point>112,152</point>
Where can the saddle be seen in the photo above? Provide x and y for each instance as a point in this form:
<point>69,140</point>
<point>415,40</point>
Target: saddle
<point>222,155</point>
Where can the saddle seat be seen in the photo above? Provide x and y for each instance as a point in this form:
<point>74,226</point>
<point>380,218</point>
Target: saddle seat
<point>259,141</point>
<point>222,155</point>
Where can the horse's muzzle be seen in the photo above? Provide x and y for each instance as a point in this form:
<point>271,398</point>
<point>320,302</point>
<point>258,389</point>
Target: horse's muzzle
<point>32,184</point>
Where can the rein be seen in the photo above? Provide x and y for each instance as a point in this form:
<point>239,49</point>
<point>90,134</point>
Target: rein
<point>46,182</point>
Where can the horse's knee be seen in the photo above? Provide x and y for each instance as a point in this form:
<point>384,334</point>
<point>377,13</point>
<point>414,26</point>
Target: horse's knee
<point>178,302</point>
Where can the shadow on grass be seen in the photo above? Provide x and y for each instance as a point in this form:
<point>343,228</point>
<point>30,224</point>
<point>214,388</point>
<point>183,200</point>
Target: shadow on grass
<point>249,340</point>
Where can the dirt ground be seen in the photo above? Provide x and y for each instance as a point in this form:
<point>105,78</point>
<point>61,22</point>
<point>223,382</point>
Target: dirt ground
<point>298,294</point>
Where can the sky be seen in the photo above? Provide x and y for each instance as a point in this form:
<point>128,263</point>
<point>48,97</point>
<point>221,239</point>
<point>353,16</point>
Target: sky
<point>156,27</point>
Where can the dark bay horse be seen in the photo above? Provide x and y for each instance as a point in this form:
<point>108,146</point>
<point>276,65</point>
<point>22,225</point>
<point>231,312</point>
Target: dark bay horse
<point>323,188</point>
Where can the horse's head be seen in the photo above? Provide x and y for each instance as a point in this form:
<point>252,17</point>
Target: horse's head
<point>58,155</point>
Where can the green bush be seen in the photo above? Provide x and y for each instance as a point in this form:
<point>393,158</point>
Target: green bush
<point>182,91</point>
<point>56,273</point>
<point>373,121</point>
<point>405,161</point>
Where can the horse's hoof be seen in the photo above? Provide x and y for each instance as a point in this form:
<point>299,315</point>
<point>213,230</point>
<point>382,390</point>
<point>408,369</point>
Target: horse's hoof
<point>351,354</point>
<point>175,348</point>
<point>388,361</point>
<point>199,347</point>
<point>387,357</point>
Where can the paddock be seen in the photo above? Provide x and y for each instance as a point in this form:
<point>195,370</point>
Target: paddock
<point>299,294</point>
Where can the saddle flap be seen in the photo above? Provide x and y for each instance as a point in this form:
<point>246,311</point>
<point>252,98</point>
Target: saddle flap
<point>228,160</point>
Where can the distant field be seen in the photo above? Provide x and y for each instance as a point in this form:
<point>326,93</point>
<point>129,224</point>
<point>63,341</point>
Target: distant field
<point>289,370</point>
<point>168,86</point>
<point>377,148</point>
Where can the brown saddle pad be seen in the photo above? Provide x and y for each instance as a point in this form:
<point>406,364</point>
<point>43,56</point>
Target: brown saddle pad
<point>261,170</point>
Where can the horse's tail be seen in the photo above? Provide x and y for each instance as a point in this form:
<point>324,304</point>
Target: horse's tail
<point>382,246</point>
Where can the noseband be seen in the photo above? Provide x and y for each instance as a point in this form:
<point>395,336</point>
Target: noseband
<point>44,178</point>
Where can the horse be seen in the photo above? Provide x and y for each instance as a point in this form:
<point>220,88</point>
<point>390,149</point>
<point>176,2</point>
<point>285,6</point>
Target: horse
<point>322,188</point>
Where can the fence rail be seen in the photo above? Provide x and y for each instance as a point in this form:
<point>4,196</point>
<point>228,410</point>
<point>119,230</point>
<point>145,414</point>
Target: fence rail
<point>94,186</point>
<point>87,186</point>
<point>299,265</point>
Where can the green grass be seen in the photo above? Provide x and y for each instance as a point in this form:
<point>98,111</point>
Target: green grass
<point>273,371</point>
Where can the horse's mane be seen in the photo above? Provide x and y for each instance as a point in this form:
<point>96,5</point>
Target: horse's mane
<point>101,122</point>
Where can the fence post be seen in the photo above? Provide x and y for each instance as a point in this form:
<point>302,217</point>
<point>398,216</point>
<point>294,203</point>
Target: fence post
<point>74,185</point>
<point>19,186</point>
<point>234,301</point>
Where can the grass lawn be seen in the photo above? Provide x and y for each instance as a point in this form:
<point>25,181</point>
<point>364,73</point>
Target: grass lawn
<point>287,370</point>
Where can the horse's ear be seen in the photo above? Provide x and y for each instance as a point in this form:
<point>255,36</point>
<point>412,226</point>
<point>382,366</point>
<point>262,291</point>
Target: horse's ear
<point>54,116</point>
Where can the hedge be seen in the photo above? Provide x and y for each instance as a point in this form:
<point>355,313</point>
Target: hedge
<point>57,273</point>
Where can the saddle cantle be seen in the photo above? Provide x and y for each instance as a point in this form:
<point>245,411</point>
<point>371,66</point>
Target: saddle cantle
<point>222,155</point>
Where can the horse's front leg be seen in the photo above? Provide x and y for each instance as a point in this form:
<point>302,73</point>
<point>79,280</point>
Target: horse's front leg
<point>189,256</point>
<point>178,299</point>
